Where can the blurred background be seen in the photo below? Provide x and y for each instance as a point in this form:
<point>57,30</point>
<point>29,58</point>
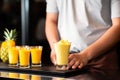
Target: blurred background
<point>28,18</point>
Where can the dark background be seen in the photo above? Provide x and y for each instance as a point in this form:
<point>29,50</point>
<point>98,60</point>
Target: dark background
<point>10,17</point>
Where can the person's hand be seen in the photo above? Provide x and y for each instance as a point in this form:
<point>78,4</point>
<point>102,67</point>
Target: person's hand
<point>53,57</point>
<point>77,60</point>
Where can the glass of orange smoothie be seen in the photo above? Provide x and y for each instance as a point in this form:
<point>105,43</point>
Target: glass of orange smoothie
<point>62,51</point>
<point>13,54</point>
<point>24,57</point>
<point>36,55</point>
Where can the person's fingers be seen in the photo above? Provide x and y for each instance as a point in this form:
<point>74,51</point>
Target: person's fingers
<point>53,59</point>
<point>71,63</point>
<point>80,65</point>
<point>76,64</point>
<point>70,57</point>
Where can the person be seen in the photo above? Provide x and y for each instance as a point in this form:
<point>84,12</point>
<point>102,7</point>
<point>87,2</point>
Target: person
<point>92,27</point>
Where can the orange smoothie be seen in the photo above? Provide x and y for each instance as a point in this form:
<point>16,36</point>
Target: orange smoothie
<point>62,51</point>
<point>24,57</point>
<point>13,55</point>
<point>36,54</point>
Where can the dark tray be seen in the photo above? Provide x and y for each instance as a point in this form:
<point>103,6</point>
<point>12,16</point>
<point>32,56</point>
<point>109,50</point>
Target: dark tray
<point>46,70</point>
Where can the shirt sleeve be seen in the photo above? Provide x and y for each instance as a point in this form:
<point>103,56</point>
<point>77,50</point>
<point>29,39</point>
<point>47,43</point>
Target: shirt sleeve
<point>51,6</point>
<point>115,8</point>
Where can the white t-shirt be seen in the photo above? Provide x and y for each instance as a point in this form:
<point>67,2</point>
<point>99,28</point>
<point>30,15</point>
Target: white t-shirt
<point>83,21</point>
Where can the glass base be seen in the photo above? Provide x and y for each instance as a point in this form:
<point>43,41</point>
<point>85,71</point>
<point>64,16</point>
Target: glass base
<point>21,66</point>
<point>36,65</point>
<point>61,67</point>
<point>13,64</point>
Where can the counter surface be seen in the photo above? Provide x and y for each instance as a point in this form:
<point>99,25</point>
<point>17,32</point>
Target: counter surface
<point>48,72</point>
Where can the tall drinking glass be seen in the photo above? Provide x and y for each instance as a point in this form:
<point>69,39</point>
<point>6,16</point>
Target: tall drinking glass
<point>36,55</point>
<point>13,56</point>
<point>24,57</point>
<point>62,51</point>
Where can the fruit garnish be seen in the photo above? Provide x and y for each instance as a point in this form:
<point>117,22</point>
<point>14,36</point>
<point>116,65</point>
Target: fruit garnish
<point>10,37</point>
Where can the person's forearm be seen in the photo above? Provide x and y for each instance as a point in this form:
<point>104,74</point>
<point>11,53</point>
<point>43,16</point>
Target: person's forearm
<point>107,41</point>
<point>51,32</point>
